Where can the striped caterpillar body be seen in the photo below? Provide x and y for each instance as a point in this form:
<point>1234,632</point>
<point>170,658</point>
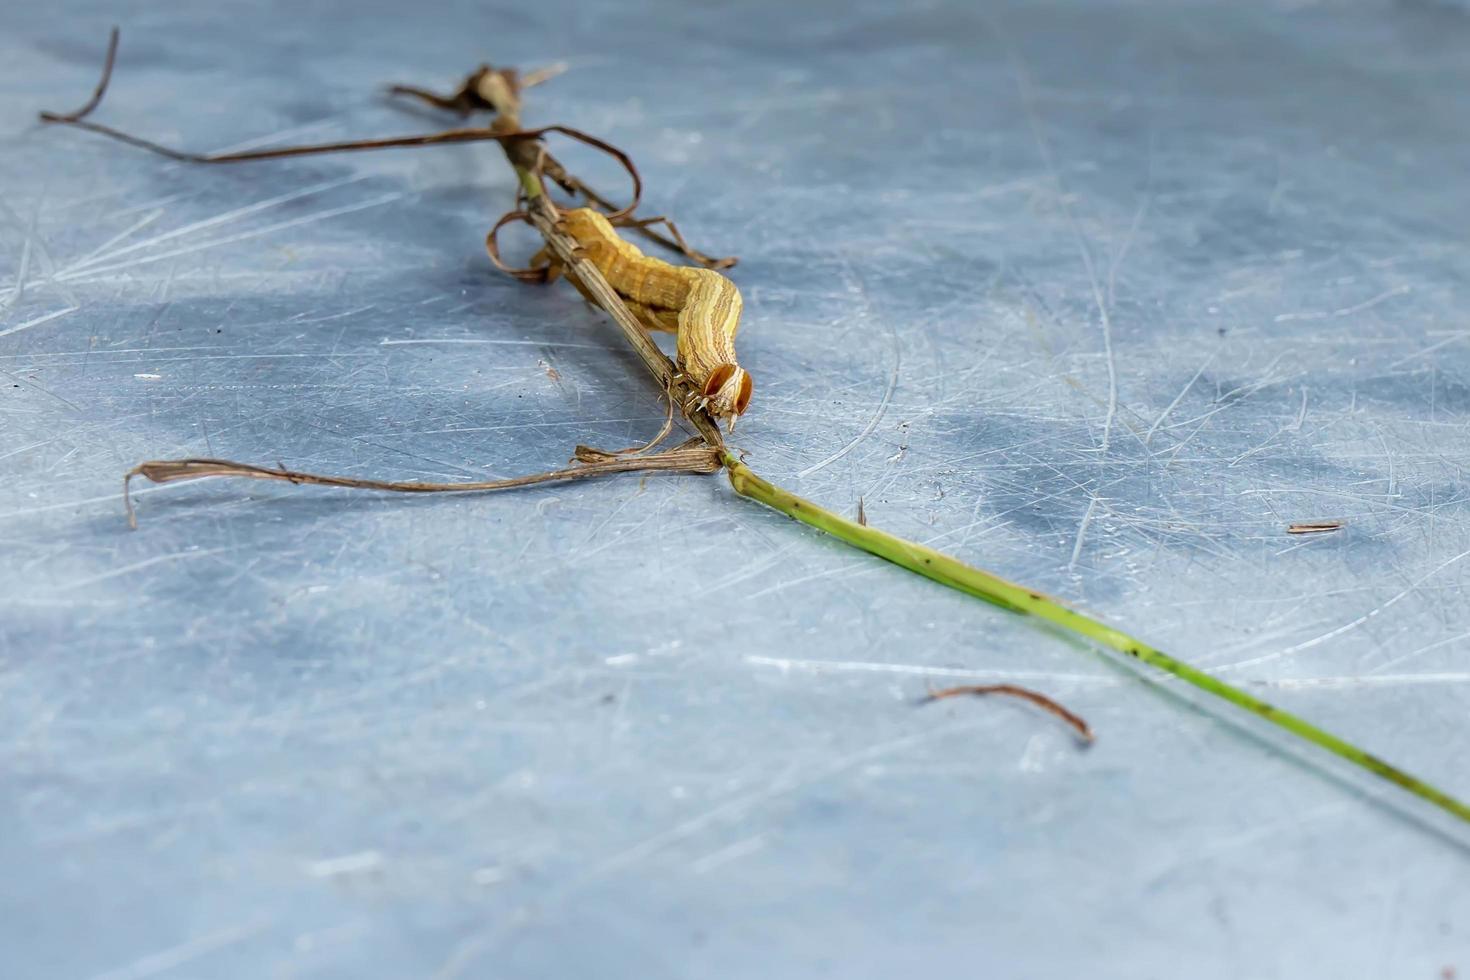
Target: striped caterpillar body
<point>701,306</point>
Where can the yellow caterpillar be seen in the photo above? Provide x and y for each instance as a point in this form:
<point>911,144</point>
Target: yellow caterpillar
<point>700,305</point>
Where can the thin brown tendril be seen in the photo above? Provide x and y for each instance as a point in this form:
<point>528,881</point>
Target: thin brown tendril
<point>644,227</point>
<point>98,92</point>
<point>532,273</point>
<point>573,185</point>
<point>660,436</point>
<point>1025,694</point>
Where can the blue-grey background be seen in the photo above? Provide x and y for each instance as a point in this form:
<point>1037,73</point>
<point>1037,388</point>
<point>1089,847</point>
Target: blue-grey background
<point>1101,296</point>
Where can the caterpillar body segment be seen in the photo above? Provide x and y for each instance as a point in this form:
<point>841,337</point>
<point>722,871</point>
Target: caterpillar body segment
<point>699,305</point>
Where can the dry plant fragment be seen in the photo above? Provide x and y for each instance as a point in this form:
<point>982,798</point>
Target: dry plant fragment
<point>687,458</point>
<point>482,81</point>
<point>1024,693</point>
<point>644,226</point>
<point>486,89</point>
<point>497,90</point>
<point>1316,527</point>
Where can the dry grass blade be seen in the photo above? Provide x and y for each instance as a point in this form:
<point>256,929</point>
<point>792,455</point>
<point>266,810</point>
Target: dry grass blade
<point>485,80</point>
<point>688,458</point>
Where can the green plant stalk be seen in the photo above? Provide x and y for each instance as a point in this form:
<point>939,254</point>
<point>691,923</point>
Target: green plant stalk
<point>1019,599</point>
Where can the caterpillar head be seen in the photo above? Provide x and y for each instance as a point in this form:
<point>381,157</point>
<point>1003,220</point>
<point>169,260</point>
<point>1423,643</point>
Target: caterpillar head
<point>727,392</point>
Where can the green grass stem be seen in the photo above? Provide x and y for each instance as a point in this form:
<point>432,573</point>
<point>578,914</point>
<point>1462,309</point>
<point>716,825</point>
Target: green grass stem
<point>1017,598</point>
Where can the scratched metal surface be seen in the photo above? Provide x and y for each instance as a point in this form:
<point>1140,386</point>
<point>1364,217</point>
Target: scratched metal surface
<point>1100,296</point>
